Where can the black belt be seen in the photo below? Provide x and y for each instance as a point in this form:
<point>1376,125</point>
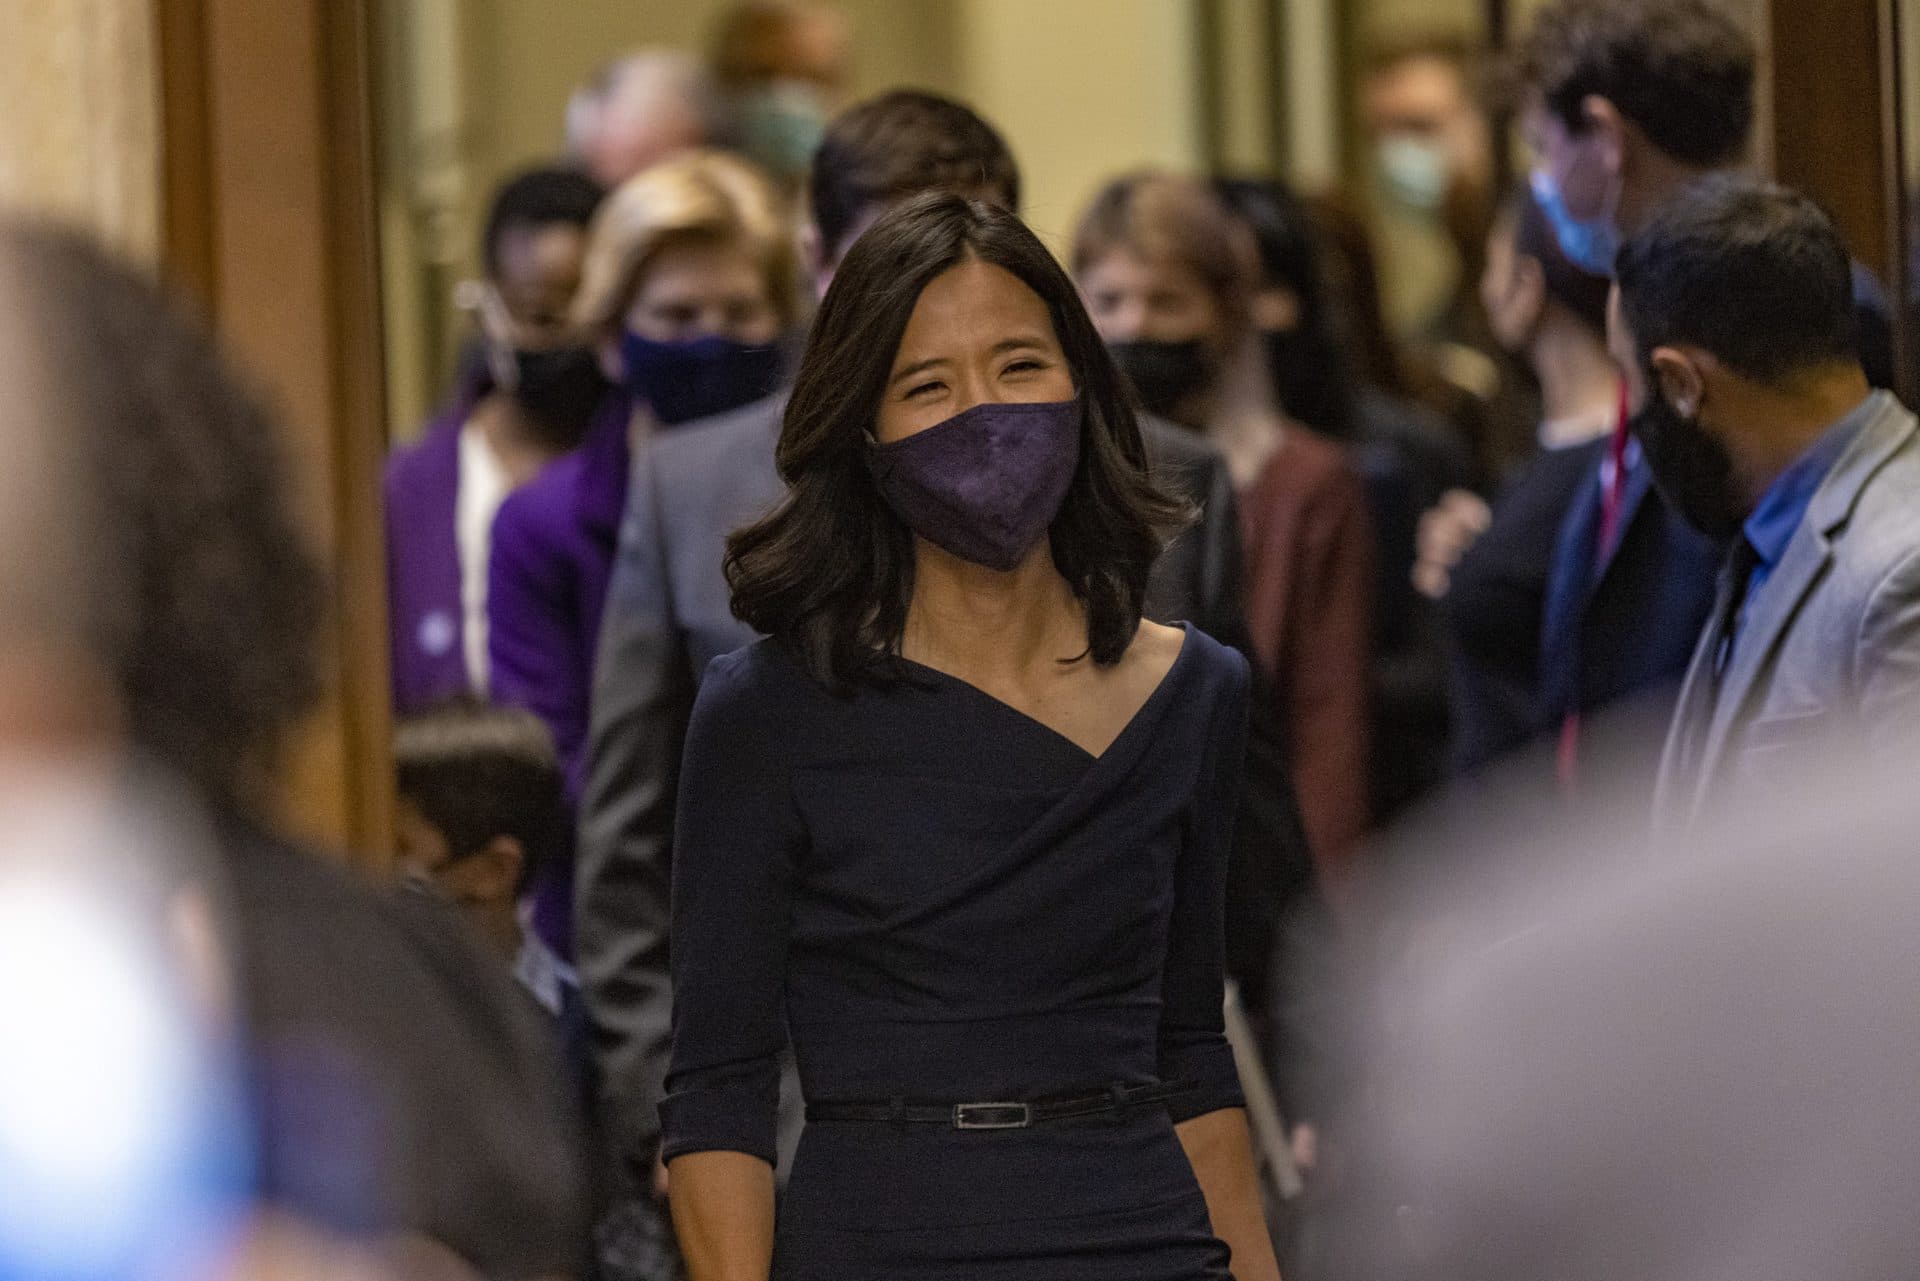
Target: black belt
<point>997,1116</point>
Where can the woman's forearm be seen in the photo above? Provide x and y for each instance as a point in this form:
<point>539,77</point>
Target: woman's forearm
<point>1221,1154</point>
<point>723,1213</point>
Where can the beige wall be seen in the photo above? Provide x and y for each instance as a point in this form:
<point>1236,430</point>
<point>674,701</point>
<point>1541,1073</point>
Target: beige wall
<point>78,112</point>
<point>472,89</point>
<point>1084,89</point>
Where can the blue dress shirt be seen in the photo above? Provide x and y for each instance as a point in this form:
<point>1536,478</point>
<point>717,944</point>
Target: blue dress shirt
<point>1783,507</point>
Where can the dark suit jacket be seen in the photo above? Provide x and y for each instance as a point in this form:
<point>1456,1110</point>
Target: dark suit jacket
<point>668,615</point>
<point>1624,630</point>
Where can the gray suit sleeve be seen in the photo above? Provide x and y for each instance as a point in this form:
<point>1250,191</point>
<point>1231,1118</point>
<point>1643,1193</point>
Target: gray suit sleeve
<point>1222,601</point>
<point>1888,653</point>
<point>643,691</point>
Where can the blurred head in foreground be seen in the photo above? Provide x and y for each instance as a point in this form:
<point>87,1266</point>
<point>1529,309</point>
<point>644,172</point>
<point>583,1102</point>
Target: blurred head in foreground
<point>169,575</point>
<point>1604,1059</point>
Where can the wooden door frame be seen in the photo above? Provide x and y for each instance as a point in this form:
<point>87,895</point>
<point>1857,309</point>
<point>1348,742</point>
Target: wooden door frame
<point>268,219</point>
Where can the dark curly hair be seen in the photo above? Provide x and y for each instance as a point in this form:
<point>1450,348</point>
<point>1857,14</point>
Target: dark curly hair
<point>1682,70</point>
<point>207,602</point>
<point>830,572</point>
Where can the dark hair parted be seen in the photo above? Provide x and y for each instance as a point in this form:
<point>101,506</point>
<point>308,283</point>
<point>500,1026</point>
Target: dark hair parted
<point>477,772</point>
<point>1753,272</point>
<point>210,601</point>
<point>831,571</point>
<point>901,144</point>
<point>1680,69</point>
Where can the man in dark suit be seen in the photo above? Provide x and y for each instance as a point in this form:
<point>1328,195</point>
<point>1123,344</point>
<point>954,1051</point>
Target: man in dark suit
<point>668,612</point>
<point>1624,104</point>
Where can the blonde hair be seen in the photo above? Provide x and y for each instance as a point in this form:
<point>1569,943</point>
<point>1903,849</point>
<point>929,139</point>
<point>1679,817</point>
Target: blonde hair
<point>1164,217</point>
<point>702,196</point>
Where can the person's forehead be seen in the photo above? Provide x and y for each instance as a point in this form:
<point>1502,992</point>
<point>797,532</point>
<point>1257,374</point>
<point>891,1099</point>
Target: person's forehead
<point>1419,81</point>
<point>973,300</point>
<point>530,249</point>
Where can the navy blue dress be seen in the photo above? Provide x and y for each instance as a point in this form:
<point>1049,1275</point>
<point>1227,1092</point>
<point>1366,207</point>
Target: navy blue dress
<point>941,899</point>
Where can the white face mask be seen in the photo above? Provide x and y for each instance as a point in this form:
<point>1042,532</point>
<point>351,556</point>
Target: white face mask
<point>1413,170</point>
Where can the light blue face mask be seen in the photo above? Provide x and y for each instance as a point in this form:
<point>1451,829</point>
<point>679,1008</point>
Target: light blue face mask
<point>1413,171</point>
<point>1590,244</point>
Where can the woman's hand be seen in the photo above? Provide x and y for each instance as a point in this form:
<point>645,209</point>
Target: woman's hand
<point>1221,1153</point>
<point>723,1214</point>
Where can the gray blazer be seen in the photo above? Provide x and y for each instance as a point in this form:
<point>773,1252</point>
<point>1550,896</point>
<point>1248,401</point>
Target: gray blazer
<point>1831,642</point>
<point>668,615</point>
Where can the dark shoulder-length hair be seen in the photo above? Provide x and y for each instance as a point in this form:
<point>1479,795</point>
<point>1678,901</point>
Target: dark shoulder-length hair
<point>830,572</point>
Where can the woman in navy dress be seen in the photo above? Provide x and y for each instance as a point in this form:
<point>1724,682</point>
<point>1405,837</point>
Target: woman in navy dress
<point>958,828</point>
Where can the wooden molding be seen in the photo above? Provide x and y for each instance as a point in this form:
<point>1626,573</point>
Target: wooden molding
<point>268,217</point>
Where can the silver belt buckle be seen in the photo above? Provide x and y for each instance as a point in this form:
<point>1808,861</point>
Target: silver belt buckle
<point>1001,1116</point>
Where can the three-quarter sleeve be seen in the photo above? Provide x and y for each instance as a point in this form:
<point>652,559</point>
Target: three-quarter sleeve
<point>1193,1042</point>
<point>737,837</point>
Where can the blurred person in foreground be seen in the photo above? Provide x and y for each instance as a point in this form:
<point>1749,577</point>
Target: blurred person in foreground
<point>395,1083</point>
<point>781,67</point>
<point>640,109</point>
<point>528,401</point>
<point>1690,1060</point>
<point>958,829</point>
<point>1170,278</point>
<point>1734,320</point>
<point>1488,566</point>
<point>669,613</point>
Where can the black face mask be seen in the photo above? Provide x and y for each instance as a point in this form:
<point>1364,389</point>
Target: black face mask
<point>1692,470</point>
<point>560,388</point>
<point>1163,373</point>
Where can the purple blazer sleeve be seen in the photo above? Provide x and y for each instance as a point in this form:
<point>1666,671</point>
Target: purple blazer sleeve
<point>537,651</point>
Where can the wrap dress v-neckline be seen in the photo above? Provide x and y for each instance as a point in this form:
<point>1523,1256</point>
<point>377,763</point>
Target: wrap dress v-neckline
<point>1141,713</point>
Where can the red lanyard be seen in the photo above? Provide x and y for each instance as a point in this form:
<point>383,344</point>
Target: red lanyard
<point>1613,491</point>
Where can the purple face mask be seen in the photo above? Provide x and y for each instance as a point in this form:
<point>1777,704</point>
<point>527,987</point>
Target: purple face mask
<point>985,484</point>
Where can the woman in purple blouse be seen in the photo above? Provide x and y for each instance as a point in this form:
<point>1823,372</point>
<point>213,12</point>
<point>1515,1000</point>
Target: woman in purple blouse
<point>689,287</point>
<point>525,399</point>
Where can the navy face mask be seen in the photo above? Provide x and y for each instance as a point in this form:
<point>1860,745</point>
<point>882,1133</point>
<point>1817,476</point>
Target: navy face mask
<point>986,484</point>
<point>682,381</point>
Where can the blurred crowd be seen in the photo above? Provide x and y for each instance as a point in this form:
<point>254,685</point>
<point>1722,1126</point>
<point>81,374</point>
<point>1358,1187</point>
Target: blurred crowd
<point>1530,486</point>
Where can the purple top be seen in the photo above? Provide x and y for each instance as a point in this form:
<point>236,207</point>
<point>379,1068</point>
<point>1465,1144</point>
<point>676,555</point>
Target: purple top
<point>426,630</point>
<point>553,544</point>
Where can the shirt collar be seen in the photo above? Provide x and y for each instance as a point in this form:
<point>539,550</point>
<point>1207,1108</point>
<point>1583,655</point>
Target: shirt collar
<point>1784,506</point>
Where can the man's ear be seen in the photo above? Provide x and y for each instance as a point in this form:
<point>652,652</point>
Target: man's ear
<point>503,858</point>
<point>1682,379</point>
<point>1607,127</point>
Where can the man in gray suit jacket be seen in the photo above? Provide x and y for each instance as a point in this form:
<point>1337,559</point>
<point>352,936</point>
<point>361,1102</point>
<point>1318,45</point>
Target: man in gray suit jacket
<point>1734,318</point>
<point>668,612</point>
